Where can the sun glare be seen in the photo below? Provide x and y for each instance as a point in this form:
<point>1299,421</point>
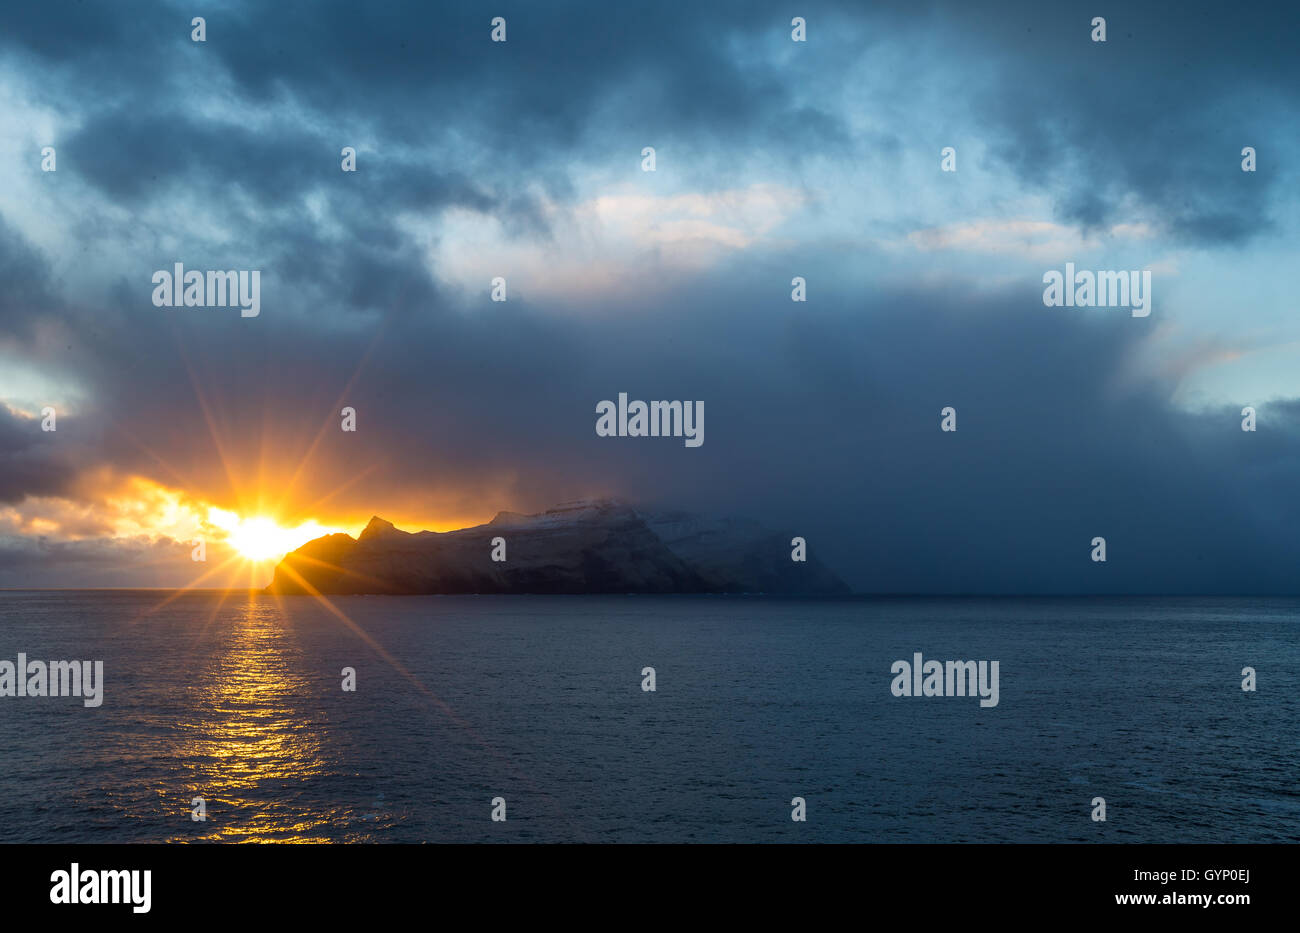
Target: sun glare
<point>261,539</point>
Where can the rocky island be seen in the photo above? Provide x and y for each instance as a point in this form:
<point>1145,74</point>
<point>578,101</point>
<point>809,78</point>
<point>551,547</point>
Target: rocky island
<point>592,546</point>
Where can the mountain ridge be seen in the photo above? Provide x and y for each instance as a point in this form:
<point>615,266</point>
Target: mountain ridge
<point>597,546</point>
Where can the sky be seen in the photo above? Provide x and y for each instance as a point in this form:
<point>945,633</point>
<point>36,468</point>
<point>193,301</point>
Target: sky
<point>523,160</point>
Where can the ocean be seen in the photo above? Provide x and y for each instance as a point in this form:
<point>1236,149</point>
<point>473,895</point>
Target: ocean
<point>534,707</point>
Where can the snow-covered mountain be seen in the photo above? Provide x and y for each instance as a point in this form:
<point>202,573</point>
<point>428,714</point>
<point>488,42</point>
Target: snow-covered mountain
<point>589,546</point>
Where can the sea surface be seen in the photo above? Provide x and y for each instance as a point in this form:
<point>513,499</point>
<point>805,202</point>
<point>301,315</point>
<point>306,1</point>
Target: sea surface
<point>237,698</point>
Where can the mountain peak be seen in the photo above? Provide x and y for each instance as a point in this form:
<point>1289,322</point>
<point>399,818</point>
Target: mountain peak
<point>377,527</point>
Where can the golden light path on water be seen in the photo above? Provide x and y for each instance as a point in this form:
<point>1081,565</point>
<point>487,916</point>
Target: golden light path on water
<point>251,741</point>
<point>253,735</point>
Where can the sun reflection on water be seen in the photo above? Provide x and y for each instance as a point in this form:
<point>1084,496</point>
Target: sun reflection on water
<point>252,737</point>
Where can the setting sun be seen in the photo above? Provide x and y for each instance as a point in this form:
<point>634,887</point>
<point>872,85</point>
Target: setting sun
<point>261,539</point>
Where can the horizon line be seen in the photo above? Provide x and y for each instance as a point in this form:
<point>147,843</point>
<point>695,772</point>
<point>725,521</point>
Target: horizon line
<point>787,596</point>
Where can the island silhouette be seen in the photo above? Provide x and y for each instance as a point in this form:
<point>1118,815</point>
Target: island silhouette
<point>588,546</point>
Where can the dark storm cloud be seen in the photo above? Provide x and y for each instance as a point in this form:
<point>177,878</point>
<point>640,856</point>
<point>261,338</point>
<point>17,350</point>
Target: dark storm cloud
<point>40,562</point>
<point>27,290</point>
<point>1176,90</point>
<point>1159,112</point>
<point>220,160</point>
<point>31,462</point>
<point>412,74</point>
<point>836,434</point>
<point>433,66</point>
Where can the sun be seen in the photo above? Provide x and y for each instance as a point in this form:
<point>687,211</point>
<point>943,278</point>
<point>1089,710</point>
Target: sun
<point>259,539</point>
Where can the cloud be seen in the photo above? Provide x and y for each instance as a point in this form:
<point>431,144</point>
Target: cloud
<point>1040,240</point>
<point>618,244</point>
